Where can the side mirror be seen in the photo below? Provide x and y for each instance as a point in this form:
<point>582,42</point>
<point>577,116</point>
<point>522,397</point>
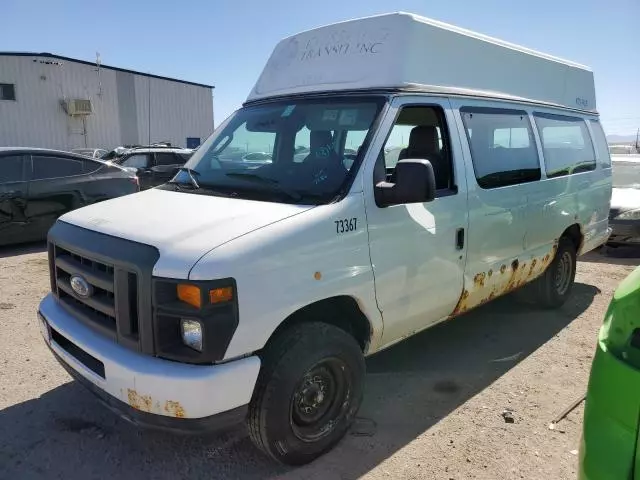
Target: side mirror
<point>415,182</point>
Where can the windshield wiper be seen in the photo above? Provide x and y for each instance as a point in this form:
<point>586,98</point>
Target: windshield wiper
<point>292,194</point>
<point>191,174</point>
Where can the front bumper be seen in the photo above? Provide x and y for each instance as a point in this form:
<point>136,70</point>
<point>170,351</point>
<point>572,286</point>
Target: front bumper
<point>147,390</point>
<point>624,232</point>
<point>610,426</point>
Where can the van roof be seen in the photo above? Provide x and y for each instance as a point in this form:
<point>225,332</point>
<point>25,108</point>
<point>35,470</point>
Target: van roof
<point>406,51</point>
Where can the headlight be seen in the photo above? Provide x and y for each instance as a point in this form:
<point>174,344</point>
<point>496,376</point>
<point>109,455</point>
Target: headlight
<point>191,333</point>
<point>629,215</point>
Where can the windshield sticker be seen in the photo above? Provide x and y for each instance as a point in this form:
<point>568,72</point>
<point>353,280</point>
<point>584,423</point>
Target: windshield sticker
<point>288,111</point>
<point>330,116</point>
<point>348,117</point>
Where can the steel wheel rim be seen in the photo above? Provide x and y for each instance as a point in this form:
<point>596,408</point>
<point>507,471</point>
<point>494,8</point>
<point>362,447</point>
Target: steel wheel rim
<point>320,400</point>
<point>562,279</point>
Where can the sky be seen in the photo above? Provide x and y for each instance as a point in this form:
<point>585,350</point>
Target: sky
<point>227,42</point>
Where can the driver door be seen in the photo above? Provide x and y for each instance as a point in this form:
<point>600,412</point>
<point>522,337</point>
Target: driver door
<point>418,251</point>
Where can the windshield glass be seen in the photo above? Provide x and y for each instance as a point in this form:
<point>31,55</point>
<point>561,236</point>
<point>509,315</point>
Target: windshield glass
<point>626,174</point>
<point>300,151</point>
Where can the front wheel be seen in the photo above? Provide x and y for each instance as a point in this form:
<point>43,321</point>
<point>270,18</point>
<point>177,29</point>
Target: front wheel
<point>308,392</point>
<point>554,286</point>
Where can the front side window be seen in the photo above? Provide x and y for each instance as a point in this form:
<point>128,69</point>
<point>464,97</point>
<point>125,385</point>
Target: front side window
<point>139,160</point>
<point>418,134</point>
<point>292,152</point>
<point>502,146</point>
<point>45,167</point>
<point>11,168</point>
<point>566,144</point>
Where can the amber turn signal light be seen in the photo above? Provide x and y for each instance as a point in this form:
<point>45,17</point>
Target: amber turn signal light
<point>220,295</point>
<point>190,294</point>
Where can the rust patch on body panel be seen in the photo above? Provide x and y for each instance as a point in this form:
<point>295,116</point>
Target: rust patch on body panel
<point>486,286</point>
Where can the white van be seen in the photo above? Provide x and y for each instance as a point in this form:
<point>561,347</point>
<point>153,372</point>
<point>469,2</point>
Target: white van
<point>418,170</point>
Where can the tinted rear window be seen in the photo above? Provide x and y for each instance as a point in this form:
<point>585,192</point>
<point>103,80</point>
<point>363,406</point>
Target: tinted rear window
<point>11,168</point>
<point>45,167</point>
<point>167,159</point>
<point>600,141</point>
<point>566,144</point>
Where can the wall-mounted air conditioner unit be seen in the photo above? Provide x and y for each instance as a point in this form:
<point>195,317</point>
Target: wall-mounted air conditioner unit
<point>78,106</point>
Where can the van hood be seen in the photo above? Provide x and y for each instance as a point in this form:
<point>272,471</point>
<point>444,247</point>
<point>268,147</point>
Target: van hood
<point>182,226</point>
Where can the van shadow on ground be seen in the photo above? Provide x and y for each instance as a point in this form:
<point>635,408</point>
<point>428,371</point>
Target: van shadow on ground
<point>67,434</point>
<point>22,249</point>
<point>623,255</point>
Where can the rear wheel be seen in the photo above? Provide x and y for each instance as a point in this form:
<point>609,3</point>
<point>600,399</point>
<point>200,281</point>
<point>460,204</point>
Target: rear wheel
<point>554,286</point>
<point>308,392</point>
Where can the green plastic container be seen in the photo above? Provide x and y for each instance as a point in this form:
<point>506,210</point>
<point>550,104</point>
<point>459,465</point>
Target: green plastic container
<point>609,448</point>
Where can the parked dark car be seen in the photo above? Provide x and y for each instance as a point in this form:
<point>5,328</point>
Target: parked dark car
<point>39,185</point>
<point>154,165</point>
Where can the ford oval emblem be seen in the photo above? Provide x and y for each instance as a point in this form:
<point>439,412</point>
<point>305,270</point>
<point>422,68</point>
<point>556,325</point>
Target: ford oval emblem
<point>80,286</point>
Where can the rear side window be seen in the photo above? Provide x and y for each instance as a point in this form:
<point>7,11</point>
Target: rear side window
<point>11,168</point>
<point>167,159</point>
<point>89,166</point>
<point>137,161</point>
<point>566,144</point>
<point>503,150</point>
<point>45,167</point>
<point>600,140</point>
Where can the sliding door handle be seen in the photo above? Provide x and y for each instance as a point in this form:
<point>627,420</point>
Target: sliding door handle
<point>460,238</point>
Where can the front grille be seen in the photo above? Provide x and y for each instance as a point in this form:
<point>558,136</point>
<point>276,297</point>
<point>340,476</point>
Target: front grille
<point>89,361</point>
<point>112,306</point>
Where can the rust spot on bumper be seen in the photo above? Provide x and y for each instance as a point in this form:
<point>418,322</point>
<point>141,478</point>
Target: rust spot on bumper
<point>174,409</point>
<point>139,402</point>
<point>145,403</point>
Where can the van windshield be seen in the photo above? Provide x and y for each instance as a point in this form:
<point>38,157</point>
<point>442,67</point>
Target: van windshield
<point>299,151</point>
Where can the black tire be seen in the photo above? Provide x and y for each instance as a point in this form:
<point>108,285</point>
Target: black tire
<point>314,370</point>
<point>554,286</point>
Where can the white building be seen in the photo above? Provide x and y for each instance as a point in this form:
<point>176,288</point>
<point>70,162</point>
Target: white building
<point>58,102</point>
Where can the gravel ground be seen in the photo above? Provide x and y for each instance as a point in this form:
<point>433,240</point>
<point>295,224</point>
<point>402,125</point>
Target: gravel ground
<point>433,406</point>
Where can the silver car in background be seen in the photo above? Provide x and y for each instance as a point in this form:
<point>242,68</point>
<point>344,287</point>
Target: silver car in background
<point>624,216</point>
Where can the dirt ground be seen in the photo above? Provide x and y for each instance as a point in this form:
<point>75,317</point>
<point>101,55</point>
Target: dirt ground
<point>433,405</point>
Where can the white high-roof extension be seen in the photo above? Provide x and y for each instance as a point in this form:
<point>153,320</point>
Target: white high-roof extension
<point>402,50</point>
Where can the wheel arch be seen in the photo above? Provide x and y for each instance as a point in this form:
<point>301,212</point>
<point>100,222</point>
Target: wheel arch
<point>574,233</point>
<point>342,311</point>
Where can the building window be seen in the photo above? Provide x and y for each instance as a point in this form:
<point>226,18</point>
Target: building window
<point>7,91</point>
<point>503,150</point>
